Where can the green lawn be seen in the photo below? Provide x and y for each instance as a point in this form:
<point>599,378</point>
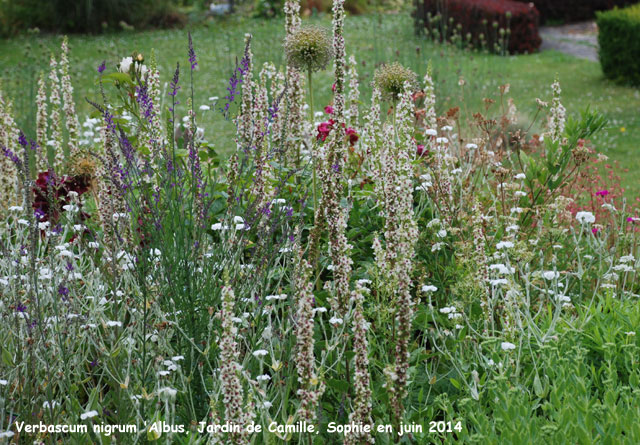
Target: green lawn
<point>372,39</point>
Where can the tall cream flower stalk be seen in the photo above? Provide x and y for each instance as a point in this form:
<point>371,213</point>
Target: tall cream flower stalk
<point>259,114</point>
<point>56,115</point>
<point>263,128</point>
<point>395,260</point>
<point>430,120</point>
<point>69,107</point>
<point>8,140</point>
<point>354,92</point>
<point>311,387</point>
<point>339,62</point>
<point>335,215</point>
<point>245,126</point>
<point>371,135</point>
<point>558,114</point>
<point>279,123</point>
<point>155,135</point>
<point>236,411</point>
<point>480,258</point>
<point>294,96</point>
<point>361,414</point>
<point>109,199</point>
<point>41,123</point>
<point>106,208</point>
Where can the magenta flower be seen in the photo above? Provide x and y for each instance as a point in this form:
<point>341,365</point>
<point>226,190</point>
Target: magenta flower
<point>328,109</point>
<point>602,192</point>
<point>594,230</point>
<point>324,129</point>
<point>421,150</point>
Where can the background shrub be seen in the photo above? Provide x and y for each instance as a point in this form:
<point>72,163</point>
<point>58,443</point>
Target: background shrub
<point>619,43</point>
<point>86,16</point>
<point>492,23</point>
<point>573,10</point>
<point>272,8</point>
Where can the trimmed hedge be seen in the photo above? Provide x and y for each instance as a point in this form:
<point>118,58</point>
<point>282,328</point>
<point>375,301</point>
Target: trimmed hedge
<point>620,44</point>
<point>574,10</point>
<point>91,16</point>
<point>487,22</point>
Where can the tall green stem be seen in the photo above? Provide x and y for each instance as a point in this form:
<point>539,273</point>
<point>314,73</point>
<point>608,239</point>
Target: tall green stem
<point>395,131</point>
<point>310,76</point>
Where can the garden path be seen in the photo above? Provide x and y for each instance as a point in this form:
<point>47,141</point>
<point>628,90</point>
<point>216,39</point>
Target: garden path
<point>577,39</point>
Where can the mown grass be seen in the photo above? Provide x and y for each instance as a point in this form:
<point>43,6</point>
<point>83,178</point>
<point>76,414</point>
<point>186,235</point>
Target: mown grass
<point>373,39</point>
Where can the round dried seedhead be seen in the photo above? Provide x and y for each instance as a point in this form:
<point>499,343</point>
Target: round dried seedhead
<point>309,48</point>
<point>390,79</point>
<point>83,164</point>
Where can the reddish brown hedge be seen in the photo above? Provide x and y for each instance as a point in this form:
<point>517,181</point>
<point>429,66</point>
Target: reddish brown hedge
<point>574,10</point>
<point>484,19</point>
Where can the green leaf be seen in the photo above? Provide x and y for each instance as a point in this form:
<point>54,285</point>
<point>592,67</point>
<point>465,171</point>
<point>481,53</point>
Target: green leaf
<point>6,357</point>
<point>118,77</point>
<point>455,383</point>
<point>537,387</point>
<point>338,385</point>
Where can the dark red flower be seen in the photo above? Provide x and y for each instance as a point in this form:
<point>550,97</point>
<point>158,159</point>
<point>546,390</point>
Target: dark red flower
<point>353,136</point>
<point>421,150</point>
<point>51,193</point>
<point>328,109</point>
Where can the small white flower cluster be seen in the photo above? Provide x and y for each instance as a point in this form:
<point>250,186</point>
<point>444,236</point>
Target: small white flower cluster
<point>451,312</point>
<point>585,218</point>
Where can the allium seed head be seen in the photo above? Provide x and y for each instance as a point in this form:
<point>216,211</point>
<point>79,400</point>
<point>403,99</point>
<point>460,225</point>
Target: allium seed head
<point>390,79</point>
<point>309,48</point>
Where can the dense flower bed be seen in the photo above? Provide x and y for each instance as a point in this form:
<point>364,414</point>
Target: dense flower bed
<point>351,275</point>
